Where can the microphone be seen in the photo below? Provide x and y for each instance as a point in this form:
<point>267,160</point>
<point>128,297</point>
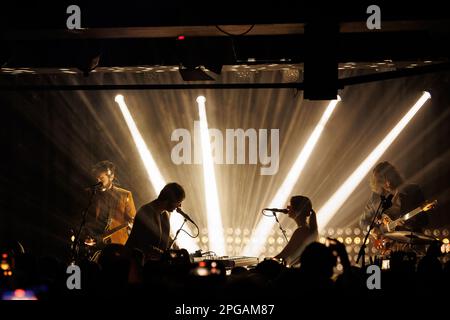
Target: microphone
<point>184,215</point>
<point>386,201</point>
<point>276,210</point>
<point>97,185</point>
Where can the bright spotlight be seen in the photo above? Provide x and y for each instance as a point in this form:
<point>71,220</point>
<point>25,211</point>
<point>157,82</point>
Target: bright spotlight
<point>265,225</point>
<point>118,98</point>
<point>326,213</point>
<point>153,173</point>
<point>215,228</point>
<point>201,99</point>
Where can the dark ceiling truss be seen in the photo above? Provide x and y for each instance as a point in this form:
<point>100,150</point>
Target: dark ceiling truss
<point>320,39</point>
<point>406,72</point>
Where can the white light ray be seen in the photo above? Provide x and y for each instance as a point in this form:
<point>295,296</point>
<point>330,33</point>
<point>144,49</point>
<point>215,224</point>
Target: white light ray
<point>215,227</point>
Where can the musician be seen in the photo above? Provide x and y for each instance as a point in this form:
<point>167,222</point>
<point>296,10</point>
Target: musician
<point>300,210</point>
<point>385,180</point>
<point>112,207</point>
<point>151,230</point>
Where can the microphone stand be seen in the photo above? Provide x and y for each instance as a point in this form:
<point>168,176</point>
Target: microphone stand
<point>76,242</point>
<point>279,225</point>
<point>176,234</point>
<point>384,205</point>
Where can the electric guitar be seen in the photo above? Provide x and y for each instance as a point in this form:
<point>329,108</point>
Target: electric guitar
<point>389,225</point>
<point>91,241</point>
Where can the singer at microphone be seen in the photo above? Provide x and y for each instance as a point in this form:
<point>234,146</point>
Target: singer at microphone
<point>151,229</point>
<point>301,211</point>
<point>111,207</point>
<point>395,196</point>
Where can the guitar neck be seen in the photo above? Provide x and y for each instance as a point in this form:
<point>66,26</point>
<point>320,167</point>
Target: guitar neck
<point>406,217</point>
<point>411,214</point>
<point>114,230</point>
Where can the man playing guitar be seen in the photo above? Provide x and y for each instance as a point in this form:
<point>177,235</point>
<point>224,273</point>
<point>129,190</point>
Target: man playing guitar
<point>386,180</point>
<point>112,212</point>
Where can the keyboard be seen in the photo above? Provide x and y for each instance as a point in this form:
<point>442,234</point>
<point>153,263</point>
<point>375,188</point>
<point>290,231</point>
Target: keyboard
<point>230,262</point>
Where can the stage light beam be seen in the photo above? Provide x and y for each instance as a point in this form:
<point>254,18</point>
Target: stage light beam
<point>265,225</point>
<point>154,175</point>
<point>214,217</point>
<point>329,209</point>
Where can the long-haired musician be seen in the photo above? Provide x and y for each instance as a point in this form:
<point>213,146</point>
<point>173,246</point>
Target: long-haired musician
<point>386,180</point>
